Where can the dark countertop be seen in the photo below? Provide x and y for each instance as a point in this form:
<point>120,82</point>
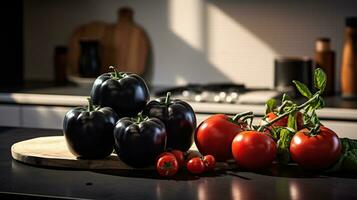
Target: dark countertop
<point>286,183</point>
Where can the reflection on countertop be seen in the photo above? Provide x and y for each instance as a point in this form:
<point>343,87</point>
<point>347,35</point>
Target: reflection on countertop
<point>277,182</point>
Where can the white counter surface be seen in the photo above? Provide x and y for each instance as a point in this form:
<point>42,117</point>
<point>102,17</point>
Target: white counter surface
<point>71,100</point>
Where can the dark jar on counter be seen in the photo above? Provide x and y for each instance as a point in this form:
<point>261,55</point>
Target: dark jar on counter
<point>60,64</point>
<point>89,61</point>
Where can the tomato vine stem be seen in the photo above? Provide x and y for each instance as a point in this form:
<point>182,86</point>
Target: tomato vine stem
<point>317,95</point>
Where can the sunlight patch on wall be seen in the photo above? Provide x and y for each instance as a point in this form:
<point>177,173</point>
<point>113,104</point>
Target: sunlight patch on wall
<point>236,51</point>
<point>185,20</point>
<point>179,80</point>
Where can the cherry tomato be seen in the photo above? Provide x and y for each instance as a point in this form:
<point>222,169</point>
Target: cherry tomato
<point>180,157</point>
<point>315,152</point>
<point>214,136</point>
<point>192,154</point>
<point>165,153</point>
<point>196,166</point>
<point>210,162</point>
<point>167,166</point>
<point>253,150</point>
<point>284,121</point>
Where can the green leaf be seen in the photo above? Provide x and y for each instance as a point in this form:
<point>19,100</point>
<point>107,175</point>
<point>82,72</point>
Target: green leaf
<point>315,119</point>
<point>283,145</point>
<point>350,161</point>
<point>270,105</point>
<point>320,79</point>
<point>292,121</point>
<point>320,103</point>
<point>303,89</point>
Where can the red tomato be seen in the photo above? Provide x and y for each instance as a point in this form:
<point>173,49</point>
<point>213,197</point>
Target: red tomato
<point>284,121</point>
<point>167,166</point>
<point>179,157</point>
<point>214,136</point>
<point>253,150</point>
<point>192,154</point>
<point>164,154</point>
<point>315,152</point>
<point>196,166</point>
<point>210,162</point>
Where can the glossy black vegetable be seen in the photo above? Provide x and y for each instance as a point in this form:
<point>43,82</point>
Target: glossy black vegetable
<point>89,131</point>
<point>138,141</point>
<point>179,119</point>
<point>126,93</point>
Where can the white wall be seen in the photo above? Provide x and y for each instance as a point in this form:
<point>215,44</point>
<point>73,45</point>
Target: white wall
<point>195,40</point>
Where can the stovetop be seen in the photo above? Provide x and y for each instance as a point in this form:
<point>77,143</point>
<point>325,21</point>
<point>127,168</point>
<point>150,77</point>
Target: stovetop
<point>228,93</point>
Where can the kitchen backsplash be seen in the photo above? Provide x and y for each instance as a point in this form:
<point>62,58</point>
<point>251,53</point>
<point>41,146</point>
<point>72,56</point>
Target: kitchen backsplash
<point>195,41</point>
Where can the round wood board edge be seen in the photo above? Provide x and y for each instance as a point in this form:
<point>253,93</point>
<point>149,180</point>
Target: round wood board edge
<point>27,152</point>
<point>52,151</point>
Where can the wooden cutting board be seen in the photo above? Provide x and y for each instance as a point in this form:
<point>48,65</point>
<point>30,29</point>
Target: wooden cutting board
<point>123,44</point>
<point>52,151</point>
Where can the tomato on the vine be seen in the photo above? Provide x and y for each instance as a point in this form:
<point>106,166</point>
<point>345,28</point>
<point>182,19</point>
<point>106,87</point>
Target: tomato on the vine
<point>167,165</point>
<point>284,121</point>
<point>254,150</point>
<point>214,136</point>
<point>196,166</point>
<point>210,162</point>
<point>315,151</point>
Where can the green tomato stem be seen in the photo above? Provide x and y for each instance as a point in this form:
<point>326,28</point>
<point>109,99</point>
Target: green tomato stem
<point>283,105</point>
<point>291,111</point>
<point>239,115</point>
<point>250,117</point>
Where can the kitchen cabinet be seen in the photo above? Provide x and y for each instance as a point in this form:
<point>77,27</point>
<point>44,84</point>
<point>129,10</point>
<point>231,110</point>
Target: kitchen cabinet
<point>50,117</point>
<point>32,116</point>
<point>10,115</point>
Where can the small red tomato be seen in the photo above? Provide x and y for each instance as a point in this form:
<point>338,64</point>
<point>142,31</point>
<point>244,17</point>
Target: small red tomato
<point>254,150</point>
<point>284,121</point>
<point>164,154</point>
<point>192,154</point>
<point>210,162</point>
<point>317,151</point>
<point>196,166</point>
<point>180,157</point>
<point>167,166</point>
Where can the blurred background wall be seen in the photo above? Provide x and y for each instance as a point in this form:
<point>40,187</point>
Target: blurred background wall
<point>195,41</point>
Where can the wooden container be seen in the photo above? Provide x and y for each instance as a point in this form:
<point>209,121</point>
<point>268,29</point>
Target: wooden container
<point>349,60</point>
<point>123,44</point>
<point>325,59</point>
